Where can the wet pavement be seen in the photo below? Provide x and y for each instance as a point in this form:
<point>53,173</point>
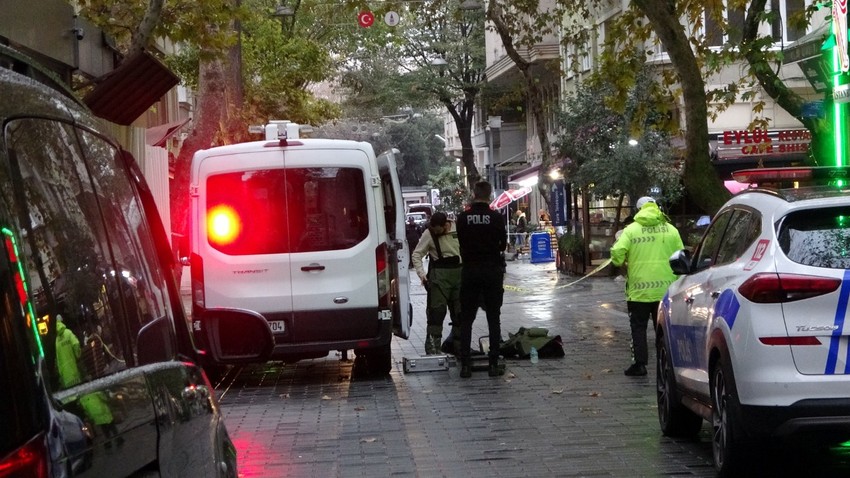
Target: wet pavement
<point>571,416</point>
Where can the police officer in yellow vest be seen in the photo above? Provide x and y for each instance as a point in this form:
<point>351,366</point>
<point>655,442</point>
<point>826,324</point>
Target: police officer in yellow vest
<point>645,247</point>
<point>95,405</point>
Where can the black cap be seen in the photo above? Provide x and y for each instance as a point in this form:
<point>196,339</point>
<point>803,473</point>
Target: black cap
<point>439,219</point>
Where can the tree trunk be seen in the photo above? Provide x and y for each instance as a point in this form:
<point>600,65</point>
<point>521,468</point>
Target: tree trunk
<point>142,35</point>
<point>700,178</point>
<point>463,123</point>
<point>770,82</point>
<point>217,121</point>
<point>532,94</point>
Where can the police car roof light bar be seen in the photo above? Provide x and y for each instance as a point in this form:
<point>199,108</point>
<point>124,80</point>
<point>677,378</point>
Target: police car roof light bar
<point>825,174</point>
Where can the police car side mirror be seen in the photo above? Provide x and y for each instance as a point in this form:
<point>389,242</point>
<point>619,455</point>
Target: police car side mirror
<point>680,262</point>
<point>237,335</point>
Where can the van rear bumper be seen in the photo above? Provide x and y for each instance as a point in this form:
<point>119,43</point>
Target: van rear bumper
<point>315,333</point>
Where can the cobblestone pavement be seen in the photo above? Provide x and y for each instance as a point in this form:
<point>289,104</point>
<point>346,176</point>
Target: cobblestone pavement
<point>572,416</point>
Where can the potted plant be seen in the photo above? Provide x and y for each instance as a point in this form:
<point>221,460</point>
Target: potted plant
<point>571,253</point>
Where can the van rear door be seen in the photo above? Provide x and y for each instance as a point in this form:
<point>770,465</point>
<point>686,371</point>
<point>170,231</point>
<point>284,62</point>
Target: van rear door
<point>333,209</point>
<point>399,250</point>
<point>243,232</point>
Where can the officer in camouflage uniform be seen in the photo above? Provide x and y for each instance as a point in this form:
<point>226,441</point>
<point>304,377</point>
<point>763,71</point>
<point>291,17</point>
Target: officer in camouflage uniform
<point>442,281</point>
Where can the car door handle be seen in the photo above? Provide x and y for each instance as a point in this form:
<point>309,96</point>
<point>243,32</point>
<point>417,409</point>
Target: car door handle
<point>313,267</point>
<point>689,299</point>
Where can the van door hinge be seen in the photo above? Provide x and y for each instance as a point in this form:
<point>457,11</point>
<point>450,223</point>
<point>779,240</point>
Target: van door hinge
<point>376,181</point>
<point>193,190</point>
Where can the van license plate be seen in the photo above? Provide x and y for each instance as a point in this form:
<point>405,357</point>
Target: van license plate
<point>277,326</point>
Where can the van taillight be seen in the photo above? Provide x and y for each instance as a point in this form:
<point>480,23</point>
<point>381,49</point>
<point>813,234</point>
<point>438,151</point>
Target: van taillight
<point>381,262</point>
<point>28,461</point>
<point>772,288</point>
<point>223,225</point>
<point>196,266</point>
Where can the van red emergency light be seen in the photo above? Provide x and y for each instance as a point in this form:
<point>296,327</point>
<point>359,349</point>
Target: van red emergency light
<point>223,225</point>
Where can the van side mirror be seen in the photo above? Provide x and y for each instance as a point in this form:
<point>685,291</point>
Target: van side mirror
<point>237,335</point>
<point>680,262</point>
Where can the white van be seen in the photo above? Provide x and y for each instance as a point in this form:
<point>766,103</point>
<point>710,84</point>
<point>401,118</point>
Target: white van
<point>307,232</point>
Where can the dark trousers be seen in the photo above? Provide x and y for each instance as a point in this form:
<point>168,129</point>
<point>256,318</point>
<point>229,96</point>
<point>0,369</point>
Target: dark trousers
<point>481,285</point>
<point>640,314</point>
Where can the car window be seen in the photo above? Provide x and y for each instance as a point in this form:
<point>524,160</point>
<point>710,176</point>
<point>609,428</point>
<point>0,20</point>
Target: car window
<point>704,256</point>
<point>145,296</point>
<point>744,227</point>
<point>819,237</point>
<point>286,210</point>
<point>87,256</point>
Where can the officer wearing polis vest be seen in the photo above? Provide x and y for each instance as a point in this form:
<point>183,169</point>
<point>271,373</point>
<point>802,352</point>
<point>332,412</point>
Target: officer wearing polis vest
<point>483,239</point>
<point>645,247</point>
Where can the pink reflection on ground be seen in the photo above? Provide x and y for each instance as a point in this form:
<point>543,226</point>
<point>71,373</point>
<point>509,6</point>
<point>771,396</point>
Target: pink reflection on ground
<point>255,458</point>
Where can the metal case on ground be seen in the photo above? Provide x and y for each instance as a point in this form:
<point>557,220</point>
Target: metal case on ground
<point>428,363</point>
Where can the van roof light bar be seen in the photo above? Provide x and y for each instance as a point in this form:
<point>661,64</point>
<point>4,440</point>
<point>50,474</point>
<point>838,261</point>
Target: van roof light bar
<point>281,130</point>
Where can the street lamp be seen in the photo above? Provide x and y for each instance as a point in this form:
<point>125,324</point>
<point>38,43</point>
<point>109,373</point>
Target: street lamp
<point>494,125</point>
<point>439,62</point>
<point>284,13</point>
<point>471,5</point>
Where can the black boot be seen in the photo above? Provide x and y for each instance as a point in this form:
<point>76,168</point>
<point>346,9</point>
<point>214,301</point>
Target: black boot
<point>465,368</point>
<point>495,370</point>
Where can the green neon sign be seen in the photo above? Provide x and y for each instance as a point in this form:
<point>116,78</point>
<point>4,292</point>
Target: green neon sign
<point>31,317</point>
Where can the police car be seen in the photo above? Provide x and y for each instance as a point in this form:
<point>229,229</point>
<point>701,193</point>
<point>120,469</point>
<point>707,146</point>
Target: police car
<point>753,336</point>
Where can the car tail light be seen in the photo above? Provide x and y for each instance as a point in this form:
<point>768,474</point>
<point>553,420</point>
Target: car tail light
<point>28,461</point>
<point>223,225</point>
<point>381,263</point>
<point>772,288</point>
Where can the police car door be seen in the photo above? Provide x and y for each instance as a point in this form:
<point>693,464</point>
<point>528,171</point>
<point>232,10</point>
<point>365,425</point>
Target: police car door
<point>400,252</point>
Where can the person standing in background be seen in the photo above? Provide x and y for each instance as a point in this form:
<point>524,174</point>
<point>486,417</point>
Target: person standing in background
<point>483,240</point>
<point>520,230</point>
<point>645,247</point>
<point>412,235</point>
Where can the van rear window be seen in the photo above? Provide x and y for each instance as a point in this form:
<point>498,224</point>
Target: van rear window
<point>275,211</point>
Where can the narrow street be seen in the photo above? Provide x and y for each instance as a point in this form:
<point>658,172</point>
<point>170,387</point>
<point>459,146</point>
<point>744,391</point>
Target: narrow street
<point>573,416</point>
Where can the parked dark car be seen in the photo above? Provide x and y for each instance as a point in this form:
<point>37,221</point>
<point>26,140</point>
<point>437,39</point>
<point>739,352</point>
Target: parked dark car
<point>99,375</point>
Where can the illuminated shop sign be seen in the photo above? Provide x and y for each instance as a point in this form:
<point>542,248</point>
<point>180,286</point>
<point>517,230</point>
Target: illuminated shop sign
<point>760,142</point>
